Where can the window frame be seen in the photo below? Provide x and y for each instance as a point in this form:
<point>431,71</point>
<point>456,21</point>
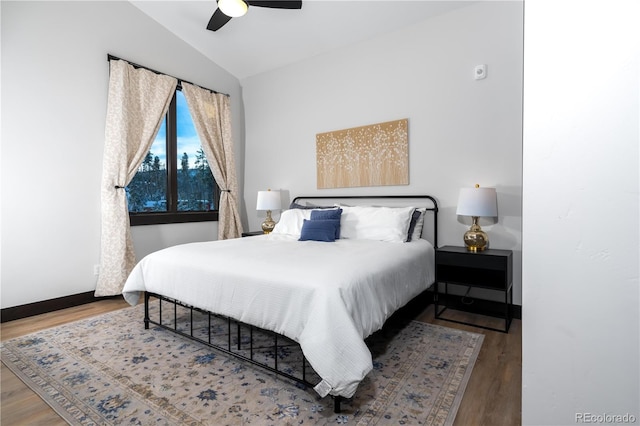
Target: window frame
<point>172,215</point>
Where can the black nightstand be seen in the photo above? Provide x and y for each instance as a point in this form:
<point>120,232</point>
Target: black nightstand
<point>489,269</point>
<point>252,233</point>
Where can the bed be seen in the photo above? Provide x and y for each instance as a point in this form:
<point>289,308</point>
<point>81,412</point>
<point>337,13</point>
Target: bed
<point>329,275</point>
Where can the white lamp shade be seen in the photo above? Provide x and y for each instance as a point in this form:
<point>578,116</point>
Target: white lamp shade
<point>233,8</point>
<point>268,200</point>
<point>480,202</point>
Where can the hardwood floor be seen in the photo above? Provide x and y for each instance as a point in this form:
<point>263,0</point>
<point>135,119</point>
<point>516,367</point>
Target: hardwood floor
<point>494,392</point>
<point>492,397</point>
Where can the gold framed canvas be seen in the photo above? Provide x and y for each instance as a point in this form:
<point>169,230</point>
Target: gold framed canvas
<point>373,155</point>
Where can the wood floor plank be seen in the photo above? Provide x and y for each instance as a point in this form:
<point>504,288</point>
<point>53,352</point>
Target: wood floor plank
<point>492,397</point>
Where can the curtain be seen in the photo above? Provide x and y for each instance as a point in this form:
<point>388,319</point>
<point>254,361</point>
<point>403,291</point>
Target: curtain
<point>137,102</point>
<point>211,115</point>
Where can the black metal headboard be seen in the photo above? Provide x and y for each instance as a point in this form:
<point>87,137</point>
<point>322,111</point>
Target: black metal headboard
<point>390,201</point>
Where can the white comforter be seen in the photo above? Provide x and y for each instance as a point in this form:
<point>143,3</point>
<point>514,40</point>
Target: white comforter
<point>326,296</point>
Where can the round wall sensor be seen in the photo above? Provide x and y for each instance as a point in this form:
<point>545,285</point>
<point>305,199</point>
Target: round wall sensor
<point>480,72</point>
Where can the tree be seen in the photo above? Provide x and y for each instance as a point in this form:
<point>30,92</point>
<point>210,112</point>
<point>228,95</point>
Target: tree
<point>185,163</point>
<point>147,190</point>
<point>146,164</point>
<point>203,182</point>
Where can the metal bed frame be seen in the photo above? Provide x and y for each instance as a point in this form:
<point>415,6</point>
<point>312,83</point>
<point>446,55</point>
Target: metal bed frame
<point>279,341</point>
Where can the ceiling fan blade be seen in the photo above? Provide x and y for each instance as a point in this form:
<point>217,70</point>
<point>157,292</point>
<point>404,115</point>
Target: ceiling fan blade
<point>217,21</point>
<point>284,4</point>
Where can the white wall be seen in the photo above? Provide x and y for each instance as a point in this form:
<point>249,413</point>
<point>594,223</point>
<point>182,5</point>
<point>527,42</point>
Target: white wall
<point>461,131</point>
<point>54,86</point>
<point>580,231</point>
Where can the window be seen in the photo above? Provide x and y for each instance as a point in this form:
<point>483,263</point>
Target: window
<point>174,182</point>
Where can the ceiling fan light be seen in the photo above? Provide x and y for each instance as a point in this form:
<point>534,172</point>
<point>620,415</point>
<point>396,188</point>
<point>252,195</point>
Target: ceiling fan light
<point>233,8</point>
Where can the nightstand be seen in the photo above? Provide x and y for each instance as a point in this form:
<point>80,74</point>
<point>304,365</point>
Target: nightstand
<point>490,269</point>
<point>252,233</point>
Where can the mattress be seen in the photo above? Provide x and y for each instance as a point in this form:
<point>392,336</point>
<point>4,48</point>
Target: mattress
<point>328,297</point>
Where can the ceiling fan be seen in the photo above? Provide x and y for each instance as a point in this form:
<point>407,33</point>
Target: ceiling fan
<point>228,9</point>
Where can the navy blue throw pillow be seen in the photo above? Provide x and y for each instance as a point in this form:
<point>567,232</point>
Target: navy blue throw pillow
<point>319,230</point>
<point>328,215</point>
<point>412,225</point>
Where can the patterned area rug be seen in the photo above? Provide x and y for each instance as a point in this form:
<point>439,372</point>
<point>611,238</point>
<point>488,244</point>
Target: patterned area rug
<point>110,370</point>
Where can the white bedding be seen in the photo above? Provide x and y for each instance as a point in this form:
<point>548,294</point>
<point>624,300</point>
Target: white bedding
<point>326,296</point>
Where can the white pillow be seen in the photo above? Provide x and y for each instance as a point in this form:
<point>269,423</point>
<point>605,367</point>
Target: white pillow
<point>291,221</point>
<point>376,223</point>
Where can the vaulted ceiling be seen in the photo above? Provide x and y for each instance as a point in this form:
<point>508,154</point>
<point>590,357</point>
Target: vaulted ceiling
<point>266,39</point>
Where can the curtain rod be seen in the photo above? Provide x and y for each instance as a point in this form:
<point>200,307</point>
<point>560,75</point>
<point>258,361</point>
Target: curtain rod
<point>180,81</point>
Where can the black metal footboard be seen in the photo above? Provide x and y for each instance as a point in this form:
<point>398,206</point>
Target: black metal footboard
<point>272,351</point>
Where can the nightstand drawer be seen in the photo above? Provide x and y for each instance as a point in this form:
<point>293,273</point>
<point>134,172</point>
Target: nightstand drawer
<point>472,260</point>
<point>475,277</point>
<point>488,269</point>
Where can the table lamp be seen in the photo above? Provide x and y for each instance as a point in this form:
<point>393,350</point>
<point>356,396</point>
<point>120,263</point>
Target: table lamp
<point>268,200</point>
<point>477,202</point>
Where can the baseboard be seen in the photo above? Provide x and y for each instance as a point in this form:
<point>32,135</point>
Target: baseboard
<point>51,305</point>
<point>420,302</point>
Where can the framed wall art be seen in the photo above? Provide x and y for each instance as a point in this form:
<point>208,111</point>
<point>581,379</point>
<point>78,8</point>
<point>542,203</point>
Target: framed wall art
<point>373,155</point>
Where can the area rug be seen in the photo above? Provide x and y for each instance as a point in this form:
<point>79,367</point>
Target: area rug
<point>110,370</point>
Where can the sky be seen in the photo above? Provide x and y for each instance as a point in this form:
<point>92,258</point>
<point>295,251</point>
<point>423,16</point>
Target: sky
<point>188,140</point>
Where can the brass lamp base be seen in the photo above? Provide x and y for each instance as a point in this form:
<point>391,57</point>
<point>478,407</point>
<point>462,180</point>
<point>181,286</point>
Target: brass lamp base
<point>475,239</point>
<point>268,224</point>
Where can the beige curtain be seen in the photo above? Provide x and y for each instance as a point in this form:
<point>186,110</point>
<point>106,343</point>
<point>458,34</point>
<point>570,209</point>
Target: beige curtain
<point>211,115</point>
<point>137,102</point>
